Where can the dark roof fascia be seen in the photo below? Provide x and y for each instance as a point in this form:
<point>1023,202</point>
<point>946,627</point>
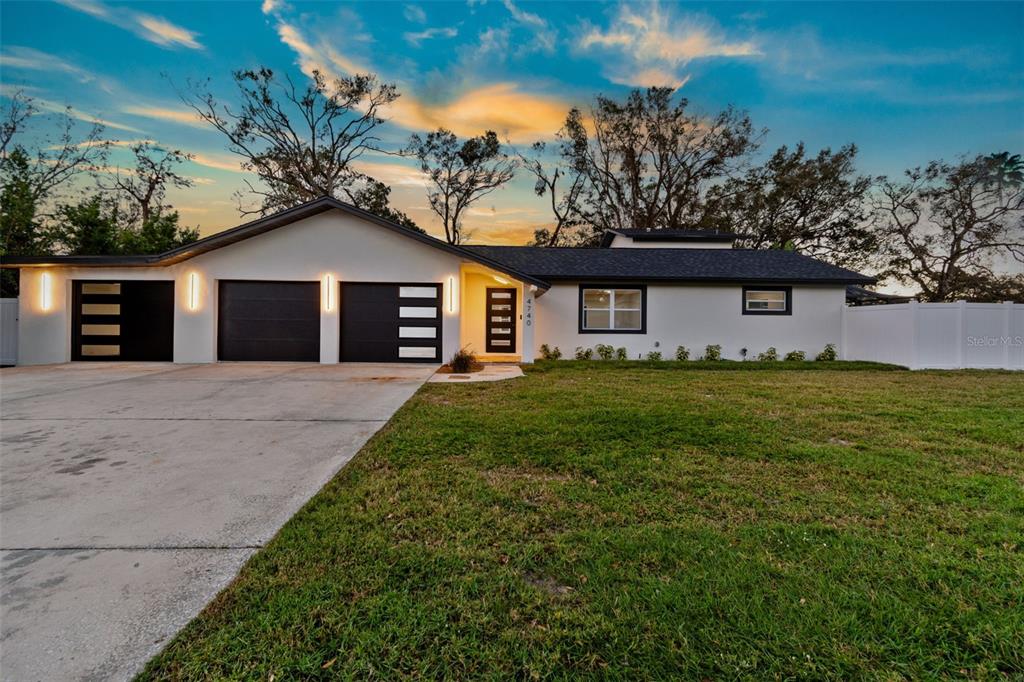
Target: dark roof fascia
<point>661,236</point>
<point>257,227</point>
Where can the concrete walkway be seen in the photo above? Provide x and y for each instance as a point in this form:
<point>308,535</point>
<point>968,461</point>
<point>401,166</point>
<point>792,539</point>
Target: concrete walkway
<point>130,494</point>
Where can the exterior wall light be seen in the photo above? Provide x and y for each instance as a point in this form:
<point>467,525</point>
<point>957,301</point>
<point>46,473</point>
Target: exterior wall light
<point>451,294</point>
<point>328,292</point>
<point>45,292</point>
<point>193,291</point>
<point>501,280</point>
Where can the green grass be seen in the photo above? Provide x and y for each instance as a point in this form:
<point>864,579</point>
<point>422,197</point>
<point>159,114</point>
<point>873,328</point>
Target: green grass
<point>594,521</point>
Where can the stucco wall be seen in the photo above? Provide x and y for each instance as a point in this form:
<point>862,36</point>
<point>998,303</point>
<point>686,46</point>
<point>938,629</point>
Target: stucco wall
<point>474,309</point>
<point>696,316</point>
<point>333,242</point>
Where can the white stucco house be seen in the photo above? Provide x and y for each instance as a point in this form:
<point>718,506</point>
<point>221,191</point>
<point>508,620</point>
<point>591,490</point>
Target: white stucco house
<point>327,282</point>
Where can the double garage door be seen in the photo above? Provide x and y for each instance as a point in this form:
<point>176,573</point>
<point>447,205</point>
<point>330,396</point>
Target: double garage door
<point>281,321</point>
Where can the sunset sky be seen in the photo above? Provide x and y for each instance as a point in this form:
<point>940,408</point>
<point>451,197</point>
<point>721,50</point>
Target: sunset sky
<point>906,82</point>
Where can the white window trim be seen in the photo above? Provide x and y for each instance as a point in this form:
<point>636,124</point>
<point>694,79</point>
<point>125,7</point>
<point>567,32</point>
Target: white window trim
<point>612,309</point>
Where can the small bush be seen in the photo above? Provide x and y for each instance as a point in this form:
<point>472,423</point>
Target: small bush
<point>743,353</point>
<point>795,356</point>
<point>713,352</point>
<point>549,353</point>
<point>682,353</point>
<point>462,361</point>
<point>770,355</point>
<point>654,356</point>
<point>604,351</point>
<point>584,353</point>
<point>620,353</point>
<point>827,355</point>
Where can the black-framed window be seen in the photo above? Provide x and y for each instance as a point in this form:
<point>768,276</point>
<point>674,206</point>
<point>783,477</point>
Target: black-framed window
<point>613,309</point>
<point>767,300</point>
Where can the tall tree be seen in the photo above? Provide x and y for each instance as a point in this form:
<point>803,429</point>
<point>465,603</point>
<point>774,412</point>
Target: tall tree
<point>301,142</point>
<point>143,188</point>
<point>54,159</point>
<point>648,162</point>
<point>34,174</point>
<point>461,173</point>
<point>563,184</point>
<point>812,204</point>
<point>90,227</point>
<point>949,227</point>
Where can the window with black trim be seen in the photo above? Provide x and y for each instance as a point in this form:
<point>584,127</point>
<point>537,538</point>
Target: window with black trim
<point>613,309</point>
<point>767,300</point>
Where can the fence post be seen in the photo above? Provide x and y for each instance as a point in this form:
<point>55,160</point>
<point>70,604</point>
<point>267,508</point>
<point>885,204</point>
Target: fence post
<point>842,333</point>
<point>1007,311</point>
<point>913,335</point>
<point>961,328</point>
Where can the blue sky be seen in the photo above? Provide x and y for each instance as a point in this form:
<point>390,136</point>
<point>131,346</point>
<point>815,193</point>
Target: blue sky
<point>906,82</point>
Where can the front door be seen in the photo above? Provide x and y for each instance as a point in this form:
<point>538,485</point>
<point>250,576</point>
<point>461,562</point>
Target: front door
<point>501,320</point>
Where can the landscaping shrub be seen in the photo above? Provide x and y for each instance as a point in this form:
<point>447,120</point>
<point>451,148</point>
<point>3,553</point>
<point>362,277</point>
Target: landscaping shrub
<point>827,355</point>
<point>795,356</point>
<point>584,353</point>
<point>654,356</point>
<point>713,352</point>
<point>462,361</point>
<point>620,353</point>
<point>549,353</point>
<point>682,353</point>
<point>770,355</point>
<point>604,351</point>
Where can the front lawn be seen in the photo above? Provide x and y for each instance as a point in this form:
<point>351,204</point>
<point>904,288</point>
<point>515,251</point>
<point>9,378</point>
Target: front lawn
<point>633,522</point>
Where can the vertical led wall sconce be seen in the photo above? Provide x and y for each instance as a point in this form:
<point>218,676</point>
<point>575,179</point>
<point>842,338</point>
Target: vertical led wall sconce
<point>45,292</point>
<point>328,292</point>
<point>193,291</point>
<point>451,294</point>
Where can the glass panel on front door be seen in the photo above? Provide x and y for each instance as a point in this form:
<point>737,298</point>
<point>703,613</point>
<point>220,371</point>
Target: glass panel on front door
<point>501,320</point>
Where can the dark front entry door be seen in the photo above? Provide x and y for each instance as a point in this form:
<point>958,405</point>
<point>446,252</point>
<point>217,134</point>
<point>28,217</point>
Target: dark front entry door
<point>268,321</point>
<point>390,322</point>
<point>501,320</point>
<point>122,320</point>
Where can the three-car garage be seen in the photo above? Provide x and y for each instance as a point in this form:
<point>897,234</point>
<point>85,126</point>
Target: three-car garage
<point>263,321</point>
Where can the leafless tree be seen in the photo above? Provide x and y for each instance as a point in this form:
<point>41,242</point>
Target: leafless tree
<point>301,142</point>
<point>648,162</point>
<point>461,173</point>
<point>563,185</point>
<point>143,188</point>
<point>947,228</point>
<point>48,161</point>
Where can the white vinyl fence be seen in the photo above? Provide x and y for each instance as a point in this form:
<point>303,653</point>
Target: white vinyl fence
<point>8,331</point>
<point>936,335</point>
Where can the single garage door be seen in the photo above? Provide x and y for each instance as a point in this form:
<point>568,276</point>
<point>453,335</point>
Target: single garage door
<point>390,322</point>
<point>122,320</point>
<point>268,321</point>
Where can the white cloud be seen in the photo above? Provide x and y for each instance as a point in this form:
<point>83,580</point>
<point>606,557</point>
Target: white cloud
<point>30,59</point>
<point>544,37</point>
<point>174,115</point>
<point>218,161</point>
<point>415,38</point>
<point>503,107</point>
<point>415,14</point>
<point>646,45</point>
<point>44,104</point>
<point>155,29</point>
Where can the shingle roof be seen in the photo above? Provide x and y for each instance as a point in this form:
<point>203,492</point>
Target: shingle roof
<point>684,265</point>
<point>858,295</point>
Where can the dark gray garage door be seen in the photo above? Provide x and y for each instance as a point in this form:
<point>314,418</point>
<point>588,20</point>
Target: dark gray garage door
<point>390,322</point>
<point>122,320</point>
<point>268,321</point>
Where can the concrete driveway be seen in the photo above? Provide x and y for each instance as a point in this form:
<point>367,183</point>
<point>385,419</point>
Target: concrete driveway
<point>130,494</point>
